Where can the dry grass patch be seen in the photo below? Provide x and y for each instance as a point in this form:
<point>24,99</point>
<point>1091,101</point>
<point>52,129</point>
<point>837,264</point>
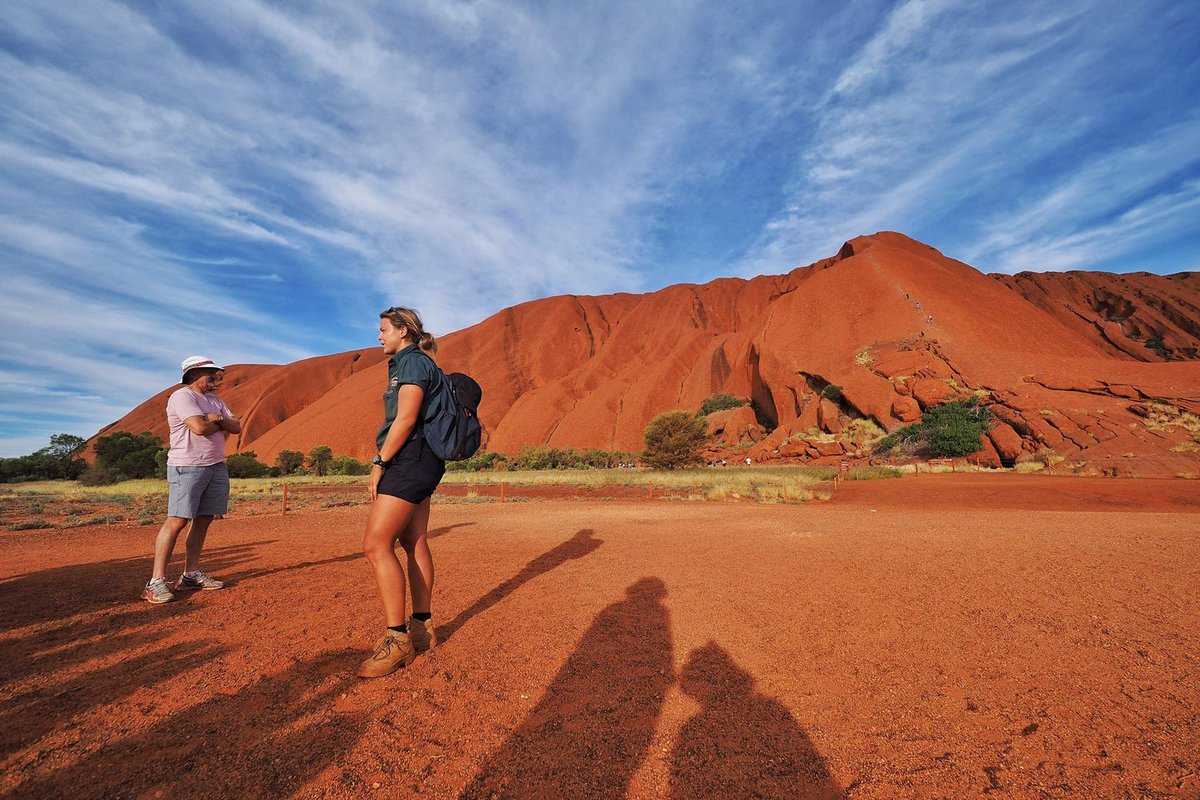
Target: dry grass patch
<point>873,473</point>
<point>779,484</point>
<point>1161,416</point>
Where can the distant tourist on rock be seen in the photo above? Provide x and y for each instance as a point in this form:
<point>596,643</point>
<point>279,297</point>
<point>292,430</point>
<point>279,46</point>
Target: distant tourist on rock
<point>197,480</point>
<point>404,474</point>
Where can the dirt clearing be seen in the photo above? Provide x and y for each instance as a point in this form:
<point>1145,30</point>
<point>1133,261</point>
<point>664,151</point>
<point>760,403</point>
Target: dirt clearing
<point>866,647</point>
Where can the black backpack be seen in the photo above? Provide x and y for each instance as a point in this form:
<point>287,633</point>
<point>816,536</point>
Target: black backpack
<point>451,425</point>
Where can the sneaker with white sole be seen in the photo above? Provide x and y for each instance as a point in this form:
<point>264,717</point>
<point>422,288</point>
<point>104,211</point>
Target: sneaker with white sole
<point>156,591</point>
<point>198,580</point>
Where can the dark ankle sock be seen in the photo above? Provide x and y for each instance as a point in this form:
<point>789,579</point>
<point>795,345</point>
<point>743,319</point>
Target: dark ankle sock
<point>422,616</point>
<point>402,628</point>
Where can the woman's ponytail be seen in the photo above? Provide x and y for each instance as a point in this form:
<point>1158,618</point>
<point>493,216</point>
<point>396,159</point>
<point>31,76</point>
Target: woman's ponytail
<point>411,320</point>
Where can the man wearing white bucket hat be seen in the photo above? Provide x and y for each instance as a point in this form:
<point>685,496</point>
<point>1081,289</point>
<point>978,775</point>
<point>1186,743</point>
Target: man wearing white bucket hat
<point>197,480</point>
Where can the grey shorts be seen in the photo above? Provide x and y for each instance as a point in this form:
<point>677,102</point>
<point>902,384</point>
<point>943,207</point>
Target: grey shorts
<point>197,491</point>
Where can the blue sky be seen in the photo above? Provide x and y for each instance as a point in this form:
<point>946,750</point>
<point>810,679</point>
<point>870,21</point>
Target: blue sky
<point>254,181</point>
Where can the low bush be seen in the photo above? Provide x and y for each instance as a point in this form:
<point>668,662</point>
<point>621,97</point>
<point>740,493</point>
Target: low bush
<point>246,465</point>
<point>950,430</point>
<point>719,402</point>
<point>955,429</point>
<point>289,461</point>
<point>54,462</point>
<point>909,434</point>
<point>537,458</point>
<point>477,463</point>
<point>97,475</point>
<point>673,440</point>
<point>346,465</point>
<point>319,459</point>
<point>128,456</point>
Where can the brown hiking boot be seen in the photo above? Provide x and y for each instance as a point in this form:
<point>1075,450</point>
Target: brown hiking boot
<point>393,651</point>
<point>423,634</point>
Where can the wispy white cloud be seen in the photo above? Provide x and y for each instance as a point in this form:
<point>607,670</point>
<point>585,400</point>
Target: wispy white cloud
<point>995,133</point>
<point>457,157</point>
<point>255,180</point>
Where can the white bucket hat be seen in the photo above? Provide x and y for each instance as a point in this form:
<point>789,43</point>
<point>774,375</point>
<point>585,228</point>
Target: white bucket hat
<point>198,362</point>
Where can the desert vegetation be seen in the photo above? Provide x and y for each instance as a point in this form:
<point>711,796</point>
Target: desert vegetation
<point>544,458</point>
<point>673,440</point>
<point>949,430</point>
<point>719,402</point>
<point>59,460</point>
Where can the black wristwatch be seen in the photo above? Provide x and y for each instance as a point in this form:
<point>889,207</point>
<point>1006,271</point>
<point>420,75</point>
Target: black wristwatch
<point>378,460</point>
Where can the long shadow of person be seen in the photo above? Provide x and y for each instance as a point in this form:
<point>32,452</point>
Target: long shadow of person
<point>238,577</point>
<point>30,715</point>
<point>267,740</point>
<point>741,743</point>
<point>590,731</point>
<point>60,592</point>
<point>581,544</point>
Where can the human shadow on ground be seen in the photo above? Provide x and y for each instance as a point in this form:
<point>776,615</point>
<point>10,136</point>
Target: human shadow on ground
<point>581,544</point>
<point>741,743</point>
<point>60,647</point>
<point>27,717</point>
<point>590,731</point>
<point>62,592</point>
<point>265,741</point>
<point>238,577</point>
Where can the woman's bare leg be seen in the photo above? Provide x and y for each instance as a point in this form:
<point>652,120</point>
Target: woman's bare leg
<point>420,561</point>
<point>390,517</point>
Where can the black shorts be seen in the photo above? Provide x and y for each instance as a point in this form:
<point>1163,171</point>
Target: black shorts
<point>414,473</point>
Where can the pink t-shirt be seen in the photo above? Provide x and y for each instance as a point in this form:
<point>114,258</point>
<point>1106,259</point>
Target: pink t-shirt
<point>188,449</point>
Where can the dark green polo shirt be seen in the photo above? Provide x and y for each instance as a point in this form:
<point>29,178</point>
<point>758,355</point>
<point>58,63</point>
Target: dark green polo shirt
<point>409,365</point>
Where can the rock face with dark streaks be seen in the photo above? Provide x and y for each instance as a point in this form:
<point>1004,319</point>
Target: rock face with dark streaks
<point>897,327</point>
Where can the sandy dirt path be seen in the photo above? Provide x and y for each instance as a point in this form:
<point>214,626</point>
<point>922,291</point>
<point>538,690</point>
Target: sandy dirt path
<point>622,649</point>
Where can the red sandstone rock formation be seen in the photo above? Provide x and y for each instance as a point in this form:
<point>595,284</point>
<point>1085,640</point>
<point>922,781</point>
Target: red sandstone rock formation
<point>894,323</point>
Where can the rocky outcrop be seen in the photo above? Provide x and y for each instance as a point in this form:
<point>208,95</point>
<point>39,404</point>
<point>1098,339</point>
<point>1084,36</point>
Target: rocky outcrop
<point>895,325</point>
<point>734,427</point>
<point>1134,315</point>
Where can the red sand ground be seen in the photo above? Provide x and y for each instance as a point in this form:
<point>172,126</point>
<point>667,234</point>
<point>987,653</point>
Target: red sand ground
<point>658,649</point>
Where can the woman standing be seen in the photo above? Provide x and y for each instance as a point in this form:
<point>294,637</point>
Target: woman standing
<point>404,474</point>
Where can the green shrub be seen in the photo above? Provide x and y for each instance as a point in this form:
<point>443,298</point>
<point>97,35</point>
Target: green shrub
<point>950,430</point>
<point>955,429</point>
<point>97,475</point>
<point>289,461</point>
<point>674,440</point>
<point>719,402</point>
<point>347,465</point>
<point>57,461</point>
<point>832,392</point>
<point>29,525</point>
<point>128,456</point>
<point>909,434</point>
<point>536,458</point>
<point>477,463</point>
<point>319,459</point>
<point>246,465</point>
